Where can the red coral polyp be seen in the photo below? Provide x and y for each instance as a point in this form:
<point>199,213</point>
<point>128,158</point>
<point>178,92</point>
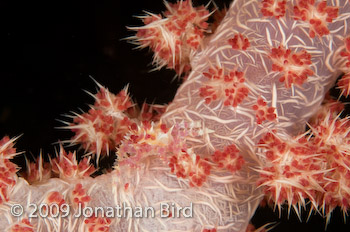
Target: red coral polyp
<point>66,166</point>
<point>273,8</point>
<point>189,165</point>
<point>295,66</point>
<point>103,127</point>
<point>263,112</point>
<point>80,196</point>
<point>229,88</point>
<point>229,158</point>
<point>239,42</point>
<point>318,16</point>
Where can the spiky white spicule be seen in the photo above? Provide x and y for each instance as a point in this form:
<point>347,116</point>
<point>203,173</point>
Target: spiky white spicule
<point>266,69</point>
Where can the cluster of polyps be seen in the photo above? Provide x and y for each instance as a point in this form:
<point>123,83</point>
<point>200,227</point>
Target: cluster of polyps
<point>227,87</point>
<point>110,103</point>
<point>332,137</point>
<point>275,8</point>
<point>177,35</point>
<point>288,175</point>
<point>66,166</point>
<point>156,140</point>
<point>97,132</point>
<point>189,165</point>
<point>229,158</point>
<point>313,166</point>
<point>295,66</point>
<point>103,127</point>
<point>174,37</point>
<point>263,112</point>
<point>318,16</point>
<point>8,169</point>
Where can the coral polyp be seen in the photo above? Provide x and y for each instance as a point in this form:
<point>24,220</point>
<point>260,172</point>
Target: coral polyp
<point>239,42</point>
<point>227,86</point>
<point>295,66</point>
<point>317,14</point>
<point>263,112</point>
<point>275,8</point>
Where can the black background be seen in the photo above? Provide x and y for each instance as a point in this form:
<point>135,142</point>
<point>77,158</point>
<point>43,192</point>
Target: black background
<point>48,51</point>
